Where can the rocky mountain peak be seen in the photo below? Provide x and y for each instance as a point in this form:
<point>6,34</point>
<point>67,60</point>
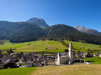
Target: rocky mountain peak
<point>39,21</point>
<point>87,30</point>
<point>81,28</point>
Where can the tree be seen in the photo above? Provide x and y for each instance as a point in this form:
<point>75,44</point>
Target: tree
<point>10,51</point>
<point>0,54</point>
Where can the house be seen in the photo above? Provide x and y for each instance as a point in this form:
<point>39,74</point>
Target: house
<point>8,62</point>
<point>1,65</point>
<point>99,54</point>
<point>83,54</point>
<point>52,48</point>
<point>62,58</point>
<point>31,59</point>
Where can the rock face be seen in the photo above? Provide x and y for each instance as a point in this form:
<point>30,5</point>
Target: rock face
<point>87,30</point>
<point>81,28</point>
<point>39,21</point>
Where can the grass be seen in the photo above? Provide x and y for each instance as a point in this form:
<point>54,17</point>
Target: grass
<point>55,70</point>
<point>42,45</point>
<point>35,46</point>
<point>61,50</point>
<point>9,45</point>
<point>69,70</point>
<point>94,60</point>
<point>38,46</point>
<point>85,46</point>
<point>17,71</point>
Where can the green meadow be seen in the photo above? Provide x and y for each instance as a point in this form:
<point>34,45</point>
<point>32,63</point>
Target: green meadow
<point>8,45</point>
<point>39,46</point>
<point>94,60</point>
<point>34,46</point>
<point>18,71</point>
<point>85,46</point>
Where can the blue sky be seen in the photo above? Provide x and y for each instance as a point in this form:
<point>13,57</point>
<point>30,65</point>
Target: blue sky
<point>71,12</point>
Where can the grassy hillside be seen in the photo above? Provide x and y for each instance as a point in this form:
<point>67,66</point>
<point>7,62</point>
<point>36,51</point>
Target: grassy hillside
<point>17,71</point>
<point>69,70</point>
<point>9,45</point>
<point>84,46</point>
<point>94,60</point>
<point>34,46</point>
<point>42,45</point>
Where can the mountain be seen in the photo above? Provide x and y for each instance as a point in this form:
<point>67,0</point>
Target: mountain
<point>20,31</point>
<point>87,30</point>
<point>60,31</point>
<point>26,31</point>
<point>39,21</point>
<point>64,32</point>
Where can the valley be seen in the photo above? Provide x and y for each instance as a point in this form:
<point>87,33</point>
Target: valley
<point>53,46</point>
<point>50,37</point>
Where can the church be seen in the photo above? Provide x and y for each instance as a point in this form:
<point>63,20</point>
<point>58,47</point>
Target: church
<point>65,58</point>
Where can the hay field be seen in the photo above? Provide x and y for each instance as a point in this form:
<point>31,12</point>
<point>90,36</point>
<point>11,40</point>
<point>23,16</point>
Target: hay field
<point>69,70</point>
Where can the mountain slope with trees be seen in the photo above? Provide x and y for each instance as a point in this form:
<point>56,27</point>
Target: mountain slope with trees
<point>24,31</point>
<point>20,31</point>
<point>60,32</point>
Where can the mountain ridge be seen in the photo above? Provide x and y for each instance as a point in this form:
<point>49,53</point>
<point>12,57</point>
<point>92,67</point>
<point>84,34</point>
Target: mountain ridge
<point>20,31</point>
<point>26,31</point>
<point>39,21</point>
<point>87,30</point>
